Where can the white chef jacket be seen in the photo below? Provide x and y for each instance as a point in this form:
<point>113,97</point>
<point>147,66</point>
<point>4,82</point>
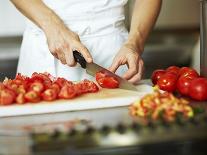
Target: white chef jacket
<point>100,26</point>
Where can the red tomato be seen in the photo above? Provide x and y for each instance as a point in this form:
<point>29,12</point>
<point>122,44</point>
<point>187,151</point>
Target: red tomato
<point>173,69</point>
<point>7,97</point>
<point>183,84</point>
<point>186,71</point>
<point>198,89</point>
<point>156,75</point>
<point>49,95</point>
<point>67,92</point>
<point>56,87</point>
<point>20,98</point>
<point>41,77</point>
<point>61,82</point>
<point>32,96</point>
<point>108,82</point>
<point>100,75</point>
<point>37,87</point>
<point>168,82</point>
<point>90,86</point>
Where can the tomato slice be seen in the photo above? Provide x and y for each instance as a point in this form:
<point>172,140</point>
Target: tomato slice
<point>108,82</point>
<point>7,97</point>
<point>32,96</point>
<point>61,82</point>
<point>67,92</point>
<point>90,86</point>
<point>49,94</point>
<point>20,99</point>
<point>37,86</point>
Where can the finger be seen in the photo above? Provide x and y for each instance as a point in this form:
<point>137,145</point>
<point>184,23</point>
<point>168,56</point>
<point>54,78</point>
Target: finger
<point>86,54</point>
<point>69,57</point>
<point>136,78</point>
<point>115,65</point>
<point>61,57</point>
<point>133,69</point>
<point>55,55</point>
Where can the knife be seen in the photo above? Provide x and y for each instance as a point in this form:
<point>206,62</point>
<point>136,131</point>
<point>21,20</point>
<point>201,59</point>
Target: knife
<point>93,68</point>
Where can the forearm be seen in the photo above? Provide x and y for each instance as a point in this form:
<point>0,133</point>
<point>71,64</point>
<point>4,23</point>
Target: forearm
<point>39,13</point>
<point>144,16</point>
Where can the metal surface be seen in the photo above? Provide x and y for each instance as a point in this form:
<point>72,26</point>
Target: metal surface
<point>93,68</point>
<point>203,37</point>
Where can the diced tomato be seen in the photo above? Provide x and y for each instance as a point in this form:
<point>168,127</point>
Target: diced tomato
<point>37,86</point>
<point>20,99</point>
<point>100,75</point>
<point>108,82</point>
<point>41,78</point>
<point>49,94</point>
<point>90,86</point>
<point>61,82</point>
<point>7,97</point>
<point>32,96</point>
<point>67,92</point>
<point>56,87</point>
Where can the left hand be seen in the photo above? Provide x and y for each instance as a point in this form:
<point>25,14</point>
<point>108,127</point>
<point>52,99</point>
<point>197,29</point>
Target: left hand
<point>131,57</point>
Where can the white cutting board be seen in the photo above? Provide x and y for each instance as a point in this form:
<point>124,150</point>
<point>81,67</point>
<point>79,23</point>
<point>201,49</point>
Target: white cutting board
<point>105,98</point>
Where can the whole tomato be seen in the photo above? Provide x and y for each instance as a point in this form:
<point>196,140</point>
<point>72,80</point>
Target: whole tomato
<point>198,89</point>
<point>167,82</point>
<point>156,75</point>
<point>183,84</point>
<point>186,71</point>
<point>173,69</point>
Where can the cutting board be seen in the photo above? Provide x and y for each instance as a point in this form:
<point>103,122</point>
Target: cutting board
<point>105,98</point>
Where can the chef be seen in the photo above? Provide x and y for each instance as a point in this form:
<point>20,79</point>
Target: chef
<point>95,28</point>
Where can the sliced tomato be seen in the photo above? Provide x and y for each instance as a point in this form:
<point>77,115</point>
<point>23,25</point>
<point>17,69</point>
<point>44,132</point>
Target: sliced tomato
<point>32,96</point>
<point>61,82</point>
<point>67,92</point>
<point>40,77</point>
<point>20,99</point>
<point>37,86</point>
<point>90,86</point>
<point>49,94</point>
<point>7,97</point>
<point>108,82</point>
<point>56,87</point>
<point>100,75</point>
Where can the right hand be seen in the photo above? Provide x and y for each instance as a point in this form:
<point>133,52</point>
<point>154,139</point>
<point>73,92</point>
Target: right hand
<point>62,42</point>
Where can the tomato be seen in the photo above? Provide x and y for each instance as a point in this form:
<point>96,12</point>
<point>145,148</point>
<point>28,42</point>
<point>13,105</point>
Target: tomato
<point>183,84</point>
<point>198,89</point>
<point>67,92</point>
<point>56,87</point>
<point>61,82</point>
<point>156,75</point>
<point>49,94</point>
<point>20,98</point>
<point>167,82</point>
<point>173,69</point>
<point>37,86</point>
<point>100,75</point>
<point>108,82</point>
<point>32,96</point>
<point>186,71</point>
<point>41,77</point>
<point>7,97</point>
<point>90,86</point>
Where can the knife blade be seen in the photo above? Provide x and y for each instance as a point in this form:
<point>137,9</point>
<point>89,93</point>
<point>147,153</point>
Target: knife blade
<point>93,68</point>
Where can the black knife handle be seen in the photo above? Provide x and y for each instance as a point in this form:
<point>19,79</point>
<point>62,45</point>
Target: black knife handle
<point>79,58</point>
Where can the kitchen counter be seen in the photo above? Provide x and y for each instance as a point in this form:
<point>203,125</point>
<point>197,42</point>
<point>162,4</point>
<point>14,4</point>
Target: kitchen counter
<point>101,126</point>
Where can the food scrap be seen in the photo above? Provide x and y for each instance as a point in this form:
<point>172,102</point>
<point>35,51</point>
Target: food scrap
<point>162,105</point>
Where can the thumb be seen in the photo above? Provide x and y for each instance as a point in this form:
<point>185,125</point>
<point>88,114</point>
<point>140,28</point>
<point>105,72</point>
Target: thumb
<point>115,65</point>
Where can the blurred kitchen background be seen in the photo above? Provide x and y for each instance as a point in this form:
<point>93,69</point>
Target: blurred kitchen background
<point>174,40</point>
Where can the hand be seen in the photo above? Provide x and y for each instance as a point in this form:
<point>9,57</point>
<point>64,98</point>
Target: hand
<point>62,42</point>
<point>132,59</point>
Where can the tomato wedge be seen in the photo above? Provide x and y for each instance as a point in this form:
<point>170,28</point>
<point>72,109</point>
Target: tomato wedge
<point>67,92</point>
<point>7,97</point>
<point>32,96</point>
<point>106,81</point>
<point>49,95</point>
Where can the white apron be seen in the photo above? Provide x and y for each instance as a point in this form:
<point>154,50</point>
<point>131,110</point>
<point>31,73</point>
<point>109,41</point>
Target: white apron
<point>100,26</point>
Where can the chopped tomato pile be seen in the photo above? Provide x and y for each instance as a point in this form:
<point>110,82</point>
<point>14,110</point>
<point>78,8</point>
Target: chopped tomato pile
<point>106,81</point>
<point>161,105</point>
<point>41,86</point>
<point>185,81</point>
